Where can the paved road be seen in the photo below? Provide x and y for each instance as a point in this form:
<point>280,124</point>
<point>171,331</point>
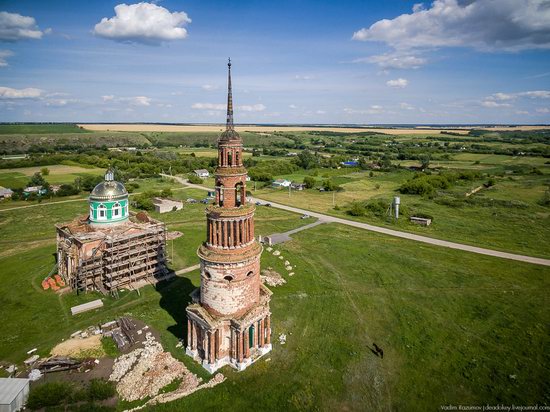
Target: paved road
<point>396,233</point>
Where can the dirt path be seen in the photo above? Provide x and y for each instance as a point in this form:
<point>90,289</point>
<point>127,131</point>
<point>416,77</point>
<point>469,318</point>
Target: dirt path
<point>392,232</point>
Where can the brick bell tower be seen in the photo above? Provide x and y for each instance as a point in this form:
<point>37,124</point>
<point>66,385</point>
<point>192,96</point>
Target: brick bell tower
<point>229,319</point>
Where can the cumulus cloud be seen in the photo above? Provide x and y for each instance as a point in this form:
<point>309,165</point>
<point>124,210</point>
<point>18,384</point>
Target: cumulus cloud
<point>536,94</point>
<point>482,24</point>
<point>302,77</point>
<point>374,109</point>
<point>406,106</point>
<point>543,110</point>
<point>397,83</point>
<point>143,23</point>
<point>252,108</point>
<point>15,27</point>
<point>493,104</point>
<point>292,106</point>
<point>395,60</point>
<point>208,106</point>
<point>28,93</point>
<point>209,87</point>
<point>133,101</point>
<point>4,54</point>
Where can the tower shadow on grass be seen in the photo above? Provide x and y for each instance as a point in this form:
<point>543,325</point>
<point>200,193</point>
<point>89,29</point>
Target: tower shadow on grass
<point>174,299</point>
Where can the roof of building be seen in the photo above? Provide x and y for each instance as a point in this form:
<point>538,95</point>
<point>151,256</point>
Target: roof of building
<point>4,190</point>
<point>109,189</point>
<point>230,134</point>
<point>281,181</point>
<point>10,388</point>
<point>201,171</point>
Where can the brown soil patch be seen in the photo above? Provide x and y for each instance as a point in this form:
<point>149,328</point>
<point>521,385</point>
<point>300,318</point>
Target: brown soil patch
<point>75,346</point>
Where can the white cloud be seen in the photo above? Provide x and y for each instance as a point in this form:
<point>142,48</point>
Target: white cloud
<point>398,83</point>
<point>252,108</point>
<point>133,101</point>
<point>493,104</point>
<point>406,106</point>
<point>503,96</point>
<point>28,93</point>
<point>302,77</point>
<point>320,112</point>
<point>292,106</point>
<point>143,23</point>
<point>536,94</point>
<point>60,102</point>
<point>209,87</point>
<point>208,106</point>
<point>543,110</point>
<point>4,54</point>
<point>483,24</point>
<point>374,109</point>
<point>521,112</point>
<point>15,27</point>
<point>395,60</point>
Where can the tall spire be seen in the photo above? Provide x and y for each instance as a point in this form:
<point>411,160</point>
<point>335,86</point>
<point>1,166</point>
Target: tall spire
<point>229,125</point>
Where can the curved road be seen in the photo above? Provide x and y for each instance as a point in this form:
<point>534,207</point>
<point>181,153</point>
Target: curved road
<point>391,232</point>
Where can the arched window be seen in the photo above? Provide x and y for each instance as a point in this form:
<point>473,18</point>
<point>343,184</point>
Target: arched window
<point>237,157</point>
<point>101,212</point>
<point>117,211</point>
<point>238,194</point>
<point>230,159</point>
<point>229,278</point>
<point>207,275</point>
<point>220,188</point>
<point>250,274</point>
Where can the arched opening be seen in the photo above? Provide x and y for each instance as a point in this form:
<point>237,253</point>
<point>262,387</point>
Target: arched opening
<point>101,212</point>
<point>250,274</point>
<point>207,275</point>
<point>238,194</point>
<point>117,210</point>
<point>230,159</point>
<point>229,278</point>
<point>237,157</point>
<point>220,194</point>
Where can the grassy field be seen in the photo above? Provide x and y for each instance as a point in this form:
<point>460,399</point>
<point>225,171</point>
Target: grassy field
<point>41,128</point>
<point>455,327</point>
<point>59,174</point>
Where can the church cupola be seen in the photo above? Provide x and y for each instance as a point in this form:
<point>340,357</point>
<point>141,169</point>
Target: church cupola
<point>108,202</point>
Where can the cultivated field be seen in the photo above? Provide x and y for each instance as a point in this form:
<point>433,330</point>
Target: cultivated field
<point>257,129</point>
<point>59,174</point>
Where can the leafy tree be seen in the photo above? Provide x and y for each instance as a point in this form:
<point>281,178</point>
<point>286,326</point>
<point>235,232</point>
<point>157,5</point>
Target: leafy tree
<point>193,178</point>
<point>307,160</point>
<point>45,171</point>
<point>309,182</point>
<point>330,186</point>
<point>67,190</point>
<point>425,161</point>
<point>37,180</point>
<point>166,192</point>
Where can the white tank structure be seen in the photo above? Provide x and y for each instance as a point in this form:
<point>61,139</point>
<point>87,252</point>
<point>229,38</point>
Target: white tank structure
<point>396,203</point>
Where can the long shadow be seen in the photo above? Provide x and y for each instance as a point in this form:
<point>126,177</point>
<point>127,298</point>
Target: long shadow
<point>174,299</point>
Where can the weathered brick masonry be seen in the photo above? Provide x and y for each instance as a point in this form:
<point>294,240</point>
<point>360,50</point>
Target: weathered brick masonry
<point>229,320</point>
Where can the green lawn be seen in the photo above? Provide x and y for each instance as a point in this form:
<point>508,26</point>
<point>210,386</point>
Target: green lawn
<point>59,174</point>
<point>454,326</point>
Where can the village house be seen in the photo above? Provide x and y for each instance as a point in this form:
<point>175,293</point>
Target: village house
<point>202,173</point>
<point>297,186</point>
<point>281,183</point>
<point>167,205</point>
<point>5,193</point>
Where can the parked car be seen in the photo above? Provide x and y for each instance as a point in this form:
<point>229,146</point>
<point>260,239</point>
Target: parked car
<point>305,217</point>
<point>191,200</point>
<point>205,201</point>
<point>258,203</point>
<point>268,204</point>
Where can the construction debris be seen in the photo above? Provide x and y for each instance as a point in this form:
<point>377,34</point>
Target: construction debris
<point>282,338</point>
<point>173,235</point>
<point>276,252</point>
<point>85,307</point>
<point>31,360</point>
<point>35,374</point>
<point>145,371</point>
<point>59,363</point>
<point>271,277</point>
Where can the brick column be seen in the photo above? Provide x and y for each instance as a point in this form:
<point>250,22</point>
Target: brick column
<point>246,337</point>
<point>231,225</point>
<point>188,333</point>
<point>268,330</point>
<point>262,333</point>
<point>239,338</point>
<point>255,335</point>
<point>211,347</point>
<point>218,336</point>
<point>225,244</point>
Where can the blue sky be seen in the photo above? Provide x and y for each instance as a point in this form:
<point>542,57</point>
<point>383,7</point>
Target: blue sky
<point>447,61</point>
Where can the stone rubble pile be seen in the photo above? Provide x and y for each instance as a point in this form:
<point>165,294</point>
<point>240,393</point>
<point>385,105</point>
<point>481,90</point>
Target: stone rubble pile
<point>271,277</point>
<point>282,338</point>
<point>144,371</point>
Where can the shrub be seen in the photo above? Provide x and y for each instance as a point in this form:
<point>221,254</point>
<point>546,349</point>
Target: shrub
<point>48,394</point>
<point>193,178</point>
<point>545,201</point>
<point>357,209</point>
<point>45,171</point>
<point>166,192</point>
<point>330,186</point>
<point>309,182</point>
<point>100,389</point>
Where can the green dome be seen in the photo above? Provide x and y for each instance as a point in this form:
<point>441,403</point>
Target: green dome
<point>108,202</point>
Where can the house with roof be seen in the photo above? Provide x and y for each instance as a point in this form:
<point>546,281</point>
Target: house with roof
<point>202,173</point>
<point>5,193</point>
<point>279,183</point>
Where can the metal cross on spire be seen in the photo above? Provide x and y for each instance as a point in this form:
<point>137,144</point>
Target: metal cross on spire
<point>229,125</point>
